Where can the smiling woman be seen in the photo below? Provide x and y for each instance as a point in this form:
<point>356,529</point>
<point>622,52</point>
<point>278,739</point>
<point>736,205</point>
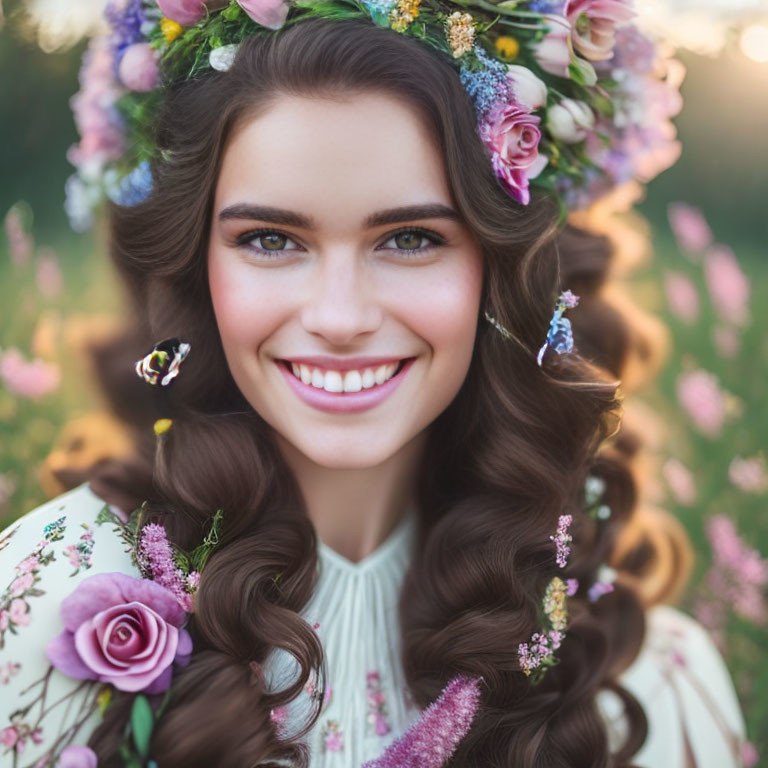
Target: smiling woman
<point>406,496</point>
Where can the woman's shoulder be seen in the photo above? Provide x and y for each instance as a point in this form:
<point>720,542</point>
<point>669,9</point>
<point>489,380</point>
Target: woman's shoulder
<point>44,555</point>
<point>682,681</point>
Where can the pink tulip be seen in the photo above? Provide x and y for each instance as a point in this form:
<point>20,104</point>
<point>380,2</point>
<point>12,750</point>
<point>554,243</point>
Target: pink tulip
<point>594,25</point>
<point>184,12</point>
<point>268,13</point>
<point>553,51</point>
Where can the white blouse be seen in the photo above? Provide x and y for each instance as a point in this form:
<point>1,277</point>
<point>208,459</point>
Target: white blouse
<point>695,720</point>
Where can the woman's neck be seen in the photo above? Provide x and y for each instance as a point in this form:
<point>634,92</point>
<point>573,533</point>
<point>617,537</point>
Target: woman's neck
<point>355,510</point>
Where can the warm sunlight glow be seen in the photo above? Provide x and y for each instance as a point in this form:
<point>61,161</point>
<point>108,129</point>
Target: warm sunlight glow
<point>754,42</point>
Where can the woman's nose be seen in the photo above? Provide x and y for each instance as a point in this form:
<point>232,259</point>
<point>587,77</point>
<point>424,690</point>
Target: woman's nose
<point>342,302</point>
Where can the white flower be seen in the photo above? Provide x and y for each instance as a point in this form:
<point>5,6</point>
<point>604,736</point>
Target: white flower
<point>529,90</point>
<point>221,58</point>
<point>570,121</point>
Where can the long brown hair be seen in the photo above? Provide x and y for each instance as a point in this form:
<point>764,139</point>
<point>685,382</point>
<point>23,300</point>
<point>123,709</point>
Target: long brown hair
<point>508,456</point>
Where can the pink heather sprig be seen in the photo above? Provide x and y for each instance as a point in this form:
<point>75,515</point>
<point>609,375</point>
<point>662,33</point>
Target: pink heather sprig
<point>432,739</point>
<point>562,539</point>
<point>156,556</point>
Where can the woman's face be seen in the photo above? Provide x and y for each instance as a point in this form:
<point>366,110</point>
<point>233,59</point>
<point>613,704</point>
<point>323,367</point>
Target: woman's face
<point>334,236</point>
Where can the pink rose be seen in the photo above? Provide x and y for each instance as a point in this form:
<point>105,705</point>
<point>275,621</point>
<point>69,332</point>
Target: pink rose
<point>594,25</point>
<point>75,756</point>
<point>121,630</point>
<point>553,51</point>
<point>268,13</point>
<point>511,135</point>
<point>184,12</point>
<point>138,68</point>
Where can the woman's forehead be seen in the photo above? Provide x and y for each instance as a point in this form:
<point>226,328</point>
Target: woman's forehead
<point>365,152</point>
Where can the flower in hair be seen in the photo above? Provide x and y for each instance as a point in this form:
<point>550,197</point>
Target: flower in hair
<point>560,335</point>
<point>562,539</point>
<point>603,584</point>
<point>433,738</point>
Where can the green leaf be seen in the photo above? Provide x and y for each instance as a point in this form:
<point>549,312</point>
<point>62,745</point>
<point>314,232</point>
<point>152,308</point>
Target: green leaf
<point>142,723</point>
<point>231,12</point>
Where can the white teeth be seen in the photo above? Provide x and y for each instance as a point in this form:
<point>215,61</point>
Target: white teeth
<point>348,381</point>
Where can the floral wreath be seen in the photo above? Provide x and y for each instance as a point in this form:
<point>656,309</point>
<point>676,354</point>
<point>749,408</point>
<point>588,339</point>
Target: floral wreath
<point>570,95</point>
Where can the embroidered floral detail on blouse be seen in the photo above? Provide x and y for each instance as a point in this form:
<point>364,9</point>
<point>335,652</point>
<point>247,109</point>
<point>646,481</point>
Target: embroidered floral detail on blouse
<point>7,671</point>
<point>14,737</point>
<point>377,719</point>
<point>14,605</point>
<point>80,555</point>
<point>332,737</point>
<point>314,693</point>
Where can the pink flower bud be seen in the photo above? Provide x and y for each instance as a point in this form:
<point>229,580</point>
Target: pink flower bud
<point>570,121</point>
<point>184,12</point>
<point>268,13</point>
<point>553,51</point>
<point>138,68</point>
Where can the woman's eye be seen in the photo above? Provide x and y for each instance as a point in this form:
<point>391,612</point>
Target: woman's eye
<point>271,242</point>
<point>408,240</point>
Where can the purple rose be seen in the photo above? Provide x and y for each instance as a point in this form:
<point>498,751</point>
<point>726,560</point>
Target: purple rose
<point>511,134</point>
<point>75,756</point>
<point>121,630</point>
<point>138,68</point>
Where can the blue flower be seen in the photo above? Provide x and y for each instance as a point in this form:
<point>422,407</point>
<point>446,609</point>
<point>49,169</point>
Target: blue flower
<point>486,85</point>
<point>134,188</point>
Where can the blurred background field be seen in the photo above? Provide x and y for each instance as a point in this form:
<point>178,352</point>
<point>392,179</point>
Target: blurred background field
<point>706,279</point>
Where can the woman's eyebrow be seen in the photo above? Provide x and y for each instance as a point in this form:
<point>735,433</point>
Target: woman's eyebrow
<point>292,219</point>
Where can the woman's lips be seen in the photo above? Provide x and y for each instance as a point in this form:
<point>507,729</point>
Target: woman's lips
<point>344,402</point>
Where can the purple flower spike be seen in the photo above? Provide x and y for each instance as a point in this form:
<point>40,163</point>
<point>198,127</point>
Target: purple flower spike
<point>432,739</point>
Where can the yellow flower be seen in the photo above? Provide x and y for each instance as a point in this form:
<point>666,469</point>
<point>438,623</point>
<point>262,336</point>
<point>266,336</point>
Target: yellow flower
<point>170,29</point>
<point>461,33</point>
<point>162,426</point>
<point>508,47</point>
<point>403,14</point>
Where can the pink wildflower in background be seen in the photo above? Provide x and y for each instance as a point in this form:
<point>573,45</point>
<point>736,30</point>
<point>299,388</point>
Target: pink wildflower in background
<point>750,475</point>
<point>679,481</point>
<point>749,754</point>
<point>689,227</point>
<point>19,241</point>
<point>727,284</point>
<point>727,341</point>
<point>48,273</point>
<point>738,574</point>
<point>28,379</point>
<point>699,393</point>
<point>682,297</point>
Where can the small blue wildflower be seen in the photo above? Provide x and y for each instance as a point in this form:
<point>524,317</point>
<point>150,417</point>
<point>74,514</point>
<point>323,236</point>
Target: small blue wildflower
<point>560,334</point>
<point>133,188</point>
<point>546,6</point>
<point>487,85</point>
